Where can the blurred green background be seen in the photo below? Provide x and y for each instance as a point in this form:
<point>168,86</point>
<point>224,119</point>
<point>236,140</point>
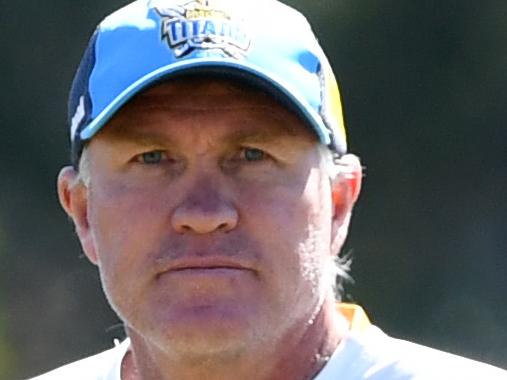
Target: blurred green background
<point>425,93</point>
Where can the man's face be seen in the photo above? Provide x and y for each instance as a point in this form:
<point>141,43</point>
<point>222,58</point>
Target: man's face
<point>210,217</point>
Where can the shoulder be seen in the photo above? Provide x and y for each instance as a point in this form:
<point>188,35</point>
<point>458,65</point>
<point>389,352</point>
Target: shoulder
<point>103,366</point>
<point>421,362</point>
<point>439,364</point>
<point>374,355</point>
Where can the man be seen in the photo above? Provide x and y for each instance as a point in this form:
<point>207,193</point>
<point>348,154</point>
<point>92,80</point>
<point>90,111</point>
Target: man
<point>212,188</point>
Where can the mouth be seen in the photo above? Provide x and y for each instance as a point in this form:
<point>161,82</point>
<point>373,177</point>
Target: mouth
<point>206,268</point>
<point>213,266</point>
<point>207,273</point>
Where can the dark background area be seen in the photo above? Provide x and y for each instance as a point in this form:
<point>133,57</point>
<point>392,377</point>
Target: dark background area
<point>425,95</point>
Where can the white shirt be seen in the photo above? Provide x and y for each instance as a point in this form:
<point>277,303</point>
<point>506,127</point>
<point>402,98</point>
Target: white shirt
<point>373,355</point>
<point>104,366</point>
<point>366,353</point>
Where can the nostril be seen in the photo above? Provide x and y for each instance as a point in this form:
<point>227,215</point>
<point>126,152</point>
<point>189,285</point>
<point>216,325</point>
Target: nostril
<point>204,217</point>
<point>223,226</point>
<point>184,229</point>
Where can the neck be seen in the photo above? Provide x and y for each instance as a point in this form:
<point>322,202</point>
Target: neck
<point>300,354</point>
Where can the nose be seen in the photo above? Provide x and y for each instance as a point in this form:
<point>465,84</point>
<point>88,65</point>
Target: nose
<point>204,212</point>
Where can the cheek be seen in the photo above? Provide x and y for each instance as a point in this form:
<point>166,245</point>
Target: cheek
<point>119,213</point>
<point>293,223</point>
<point>124,224</point>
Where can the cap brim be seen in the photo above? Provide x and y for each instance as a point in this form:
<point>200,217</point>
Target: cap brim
<point>283,91</point>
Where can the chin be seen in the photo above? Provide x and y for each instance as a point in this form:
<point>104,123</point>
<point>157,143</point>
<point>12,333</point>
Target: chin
<point>200,348</point>
<point>205,330</point>
<point>212,339</point>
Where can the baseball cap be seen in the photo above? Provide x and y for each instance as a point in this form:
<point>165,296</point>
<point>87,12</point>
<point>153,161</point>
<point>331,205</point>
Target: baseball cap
<point>148,41</point>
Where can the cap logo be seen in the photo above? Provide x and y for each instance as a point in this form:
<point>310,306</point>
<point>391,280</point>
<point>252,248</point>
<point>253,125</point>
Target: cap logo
<point>199,25</point>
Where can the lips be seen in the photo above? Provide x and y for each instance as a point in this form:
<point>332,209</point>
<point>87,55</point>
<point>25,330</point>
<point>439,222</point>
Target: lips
<point>204,265</point>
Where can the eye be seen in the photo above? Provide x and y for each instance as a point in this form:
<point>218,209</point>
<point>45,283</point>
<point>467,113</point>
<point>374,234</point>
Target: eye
<point>253,154</point>
<point>152,158</point>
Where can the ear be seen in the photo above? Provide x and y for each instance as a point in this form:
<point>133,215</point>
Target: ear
<point>73,195</point>
<point>345,191</point>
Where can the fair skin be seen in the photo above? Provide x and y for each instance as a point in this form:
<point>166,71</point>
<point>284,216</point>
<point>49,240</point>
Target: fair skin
<point>213,223</point>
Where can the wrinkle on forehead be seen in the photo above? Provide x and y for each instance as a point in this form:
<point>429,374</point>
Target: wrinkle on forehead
<point>253,114</point>
<point>147,133</point>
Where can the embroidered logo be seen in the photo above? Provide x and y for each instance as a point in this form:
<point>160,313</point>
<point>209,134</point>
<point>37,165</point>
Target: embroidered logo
<point>202,25</point>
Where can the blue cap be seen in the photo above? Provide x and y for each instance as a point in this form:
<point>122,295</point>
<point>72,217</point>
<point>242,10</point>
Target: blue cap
<point>152,40</point>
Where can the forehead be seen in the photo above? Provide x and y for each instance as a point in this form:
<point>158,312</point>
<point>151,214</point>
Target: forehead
<point>184,100</point>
